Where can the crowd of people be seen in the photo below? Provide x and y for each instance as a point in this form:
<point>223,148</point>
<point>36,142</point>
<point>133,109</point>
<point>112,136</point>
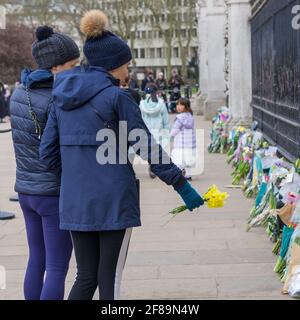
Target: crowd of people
<point>169,91</point>
<point>68,198</point>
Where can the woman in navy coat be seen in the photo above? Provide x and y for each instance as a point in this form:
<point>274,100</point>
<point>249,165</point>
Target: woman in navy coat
<point>99,196</point>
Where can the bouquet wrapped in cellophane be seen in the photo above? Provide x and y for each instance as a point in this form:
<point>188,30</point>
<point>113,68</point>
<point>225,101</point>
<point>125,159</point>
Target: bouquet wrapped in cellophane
<point>219,132</point>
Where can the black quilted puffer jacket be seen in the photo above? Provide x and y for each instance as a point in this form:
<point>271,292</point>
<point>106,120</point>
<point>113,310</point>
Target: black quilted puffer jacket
<point>32,176</point>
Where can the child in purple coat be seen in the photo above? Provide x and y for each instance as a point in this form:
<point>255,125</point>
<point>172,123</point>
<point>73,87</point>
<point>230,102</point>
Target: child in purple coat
<point>183,132</point>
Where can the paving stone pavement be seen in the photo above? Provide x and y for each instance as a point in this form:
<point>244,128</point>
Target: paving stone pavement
<point>204,255</point>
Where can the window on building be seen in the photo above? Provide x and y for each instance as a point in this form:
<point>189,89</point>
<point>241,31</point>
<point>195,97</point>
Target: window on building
<point>152,53</point>
<point>159,53</point>
<point>136,53</point>
<point>142,54</point>
<point>193,51</point>
<point>176,52</point>
<point>144,35</point>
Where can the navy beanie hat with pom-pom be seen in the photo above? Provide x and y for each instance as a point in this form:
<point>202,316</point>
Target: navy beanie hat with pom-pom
<point>53,49</point>
<point>102,48</point>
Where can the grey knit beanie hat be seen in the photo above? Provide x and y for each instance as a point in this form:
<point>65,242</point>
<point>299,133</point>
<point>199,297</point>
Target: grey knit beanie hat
<point>53,49</point>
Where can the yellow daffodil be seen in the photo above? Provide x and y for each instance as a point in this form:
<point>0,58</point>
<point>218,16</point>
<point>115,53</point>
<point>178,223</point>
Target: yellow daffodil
<point>214,198</point>
<point>241,129</point>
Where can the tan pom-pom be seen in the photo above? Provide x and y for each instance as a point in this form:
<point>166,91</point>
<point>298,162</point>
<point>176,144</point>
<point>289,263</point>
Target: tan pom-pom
<point>93,23</point>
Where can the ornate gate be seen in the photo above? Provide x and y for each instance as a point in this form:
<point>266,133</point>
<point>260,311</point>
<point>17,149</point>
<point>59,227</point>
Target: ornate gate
<point>276,82</point>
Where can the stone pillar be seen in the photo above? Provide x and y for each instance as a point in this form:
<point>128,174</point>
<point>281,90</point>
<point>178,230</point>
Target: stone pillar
<point>240,69</point>
<point>203,63</point>
<point>216,85</point>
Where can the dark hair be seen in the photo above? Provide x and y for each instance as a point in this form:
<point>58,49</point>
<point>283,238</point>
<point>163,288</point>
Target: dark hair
<point>186,103</point>
<point>152,89</point>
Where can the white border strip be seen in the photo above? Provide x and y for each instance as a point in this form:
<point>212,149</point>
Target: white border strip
<point>121,263</point>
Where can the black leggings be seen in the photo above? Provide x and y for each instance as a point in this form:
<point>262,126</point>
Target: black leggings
<point>100,258</point>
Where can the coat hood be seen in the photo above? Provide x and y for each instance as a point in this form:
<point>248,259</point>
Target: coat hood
<point>76,87</point>
<point>151,108</point>
<point>30,78</point>
<point>186,119</point>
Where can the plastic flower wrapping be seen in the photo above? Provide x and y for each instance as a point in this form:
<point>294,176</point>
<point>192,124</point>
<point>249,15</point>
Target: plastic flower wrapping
<point>220,132</point>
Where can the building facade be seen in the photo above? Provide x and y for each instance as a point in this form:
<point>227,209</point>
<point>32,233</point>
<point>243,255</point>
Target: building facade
<point>148,28</point>
<point>150,47</point>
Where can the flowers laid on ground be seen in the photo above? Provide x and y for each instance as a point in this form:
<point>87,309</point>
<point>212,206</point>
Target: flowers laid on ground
<point>219,132</point>
<point>274,183</point>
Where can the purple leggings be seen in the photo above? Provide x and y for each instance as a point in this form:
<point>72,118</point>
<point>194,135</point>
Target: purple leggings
<point>50,248</point>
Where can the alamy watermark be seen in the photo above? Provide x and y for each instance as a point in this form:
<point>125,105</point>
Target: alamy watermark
<point>296,18</point>
<point>2,278</point>
<point>186,151</point>
<point>2,18</point>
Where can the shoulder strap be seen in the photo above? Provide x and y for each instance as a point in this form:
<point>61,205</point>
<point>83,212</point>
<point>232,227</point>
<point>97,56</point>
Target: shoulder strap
<point>33,115</point>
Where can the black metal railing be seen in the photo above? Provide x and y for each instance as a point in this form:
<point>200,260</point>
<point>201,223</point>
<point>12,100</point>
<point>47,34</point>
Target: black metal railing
<point>276,75</point>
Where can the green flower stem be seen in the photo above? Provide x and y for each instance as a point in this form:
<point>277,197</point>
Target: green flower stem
<point>182,208</point>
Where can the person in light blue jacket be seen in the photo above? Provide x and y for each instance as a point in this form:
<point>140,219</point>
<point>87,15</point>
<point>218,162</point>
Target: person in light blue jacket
<point>156,117</point>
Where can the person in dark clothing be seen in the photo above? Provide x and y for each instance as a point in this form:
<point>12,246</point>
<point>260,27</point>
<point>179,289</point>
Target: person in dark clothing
<point>175,84</point>
<point>99,194</point>
<point>134,93</point>
<point>3,111</point>
<point>162,86</point>
<point>133,84</point>
<point>38,187</point>
<point>7,96</point>
<point>149,79</point>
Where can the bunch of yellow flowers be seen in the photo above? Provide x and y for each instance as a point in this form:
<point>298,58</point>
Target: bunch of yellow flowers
<point>214,198</point>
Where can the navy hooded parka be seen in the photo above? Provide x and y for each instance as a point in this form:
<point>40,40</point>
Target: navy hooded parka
<point>95,197</point>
